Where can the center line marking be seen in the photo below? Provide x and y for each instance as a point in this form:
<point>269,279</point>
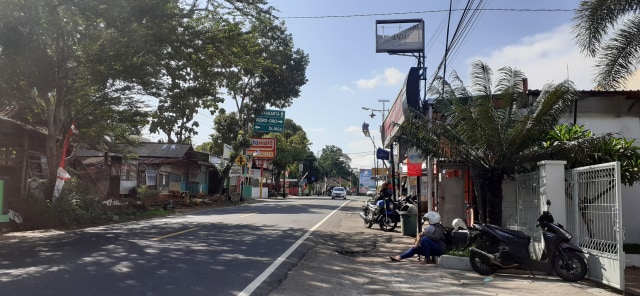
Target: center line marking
<point>247,215</point>
<point>175,233</point>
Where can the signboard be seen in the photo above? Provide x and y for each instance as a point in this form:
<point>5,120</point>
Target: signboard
<point>414,163</point>
<point>400,36</point>
<point>380,171</point>
<point>226,153</point>
<point>270,121</point>
<point>236,171</point>
<point>241,160</point>
<point>262,148</point>
<point>382,154</point>
<point>408,98</point>
<point>366,182</point>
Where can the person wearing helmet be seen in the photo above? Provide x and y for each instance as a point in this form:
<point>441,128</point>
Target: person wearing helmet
<point>385,191</point>
<point>429,242</point>
<point>383,195</point>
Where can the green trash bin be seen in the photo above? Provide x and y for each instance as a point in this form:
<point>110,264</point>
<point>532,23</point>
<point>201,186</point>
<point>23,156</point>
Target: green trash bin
<point>409,224</point>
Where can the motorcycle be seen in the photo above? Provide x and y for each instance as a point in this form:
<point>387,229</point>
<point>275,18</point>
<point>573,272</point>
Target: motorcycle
<point>500,248</point>
<point>384,212</point>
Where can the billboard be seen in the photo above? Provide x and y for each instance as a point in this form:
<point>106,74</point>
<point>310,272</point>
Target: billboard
<point>400,36</point>
<point>366,181</point>
<point>408,98</point>
<point>262,148</point>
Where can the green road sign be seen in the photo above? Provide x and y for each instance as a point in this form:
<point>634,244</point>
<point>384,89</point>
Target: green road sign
<point>270,121</point>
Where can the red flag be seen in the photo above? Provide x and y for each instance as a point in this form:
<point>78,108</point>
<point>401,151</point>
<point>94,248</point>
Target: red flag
<point>65,145</point>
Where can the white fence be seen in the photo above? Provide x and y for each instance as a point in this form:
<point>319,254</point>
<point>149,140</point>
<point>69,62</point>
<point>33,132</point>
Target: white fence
<point>593,213</point>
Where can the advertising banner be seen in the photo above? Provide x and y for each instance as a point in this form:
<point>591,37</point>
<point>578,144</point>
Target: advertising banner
<point>366,181</point>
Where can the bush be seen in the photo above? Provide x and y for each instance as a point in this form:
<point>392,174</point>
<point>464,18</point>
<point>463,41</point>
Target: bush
<point>75,207</point>
<point>458,252</point>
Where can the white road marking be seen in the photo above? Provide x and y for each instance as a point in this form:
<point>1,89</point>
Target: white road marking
<point>175,233</point>
<point>265,274</point>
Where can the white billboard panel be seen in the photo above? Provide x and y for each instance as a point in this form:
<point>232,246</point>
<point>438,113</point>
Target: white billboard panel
<point>400,36</point>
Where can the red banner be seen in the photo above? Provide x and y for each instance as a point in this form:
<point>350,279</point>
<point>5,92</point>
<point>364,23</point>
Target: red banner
<point>414,169</point>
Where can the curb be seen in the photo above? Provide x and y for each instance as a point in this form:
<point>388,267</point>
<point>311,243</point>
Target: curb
<point>454,262</point>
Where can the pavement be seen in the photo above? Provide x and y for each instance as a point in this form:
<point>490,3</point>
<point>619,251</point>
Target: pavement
<point>350,259</point>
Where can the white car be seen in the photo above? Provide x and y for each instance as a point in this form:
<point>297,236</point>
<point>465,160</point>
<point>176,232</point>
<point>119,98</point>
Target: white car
<point>338,192</point>
<point>372,193</point>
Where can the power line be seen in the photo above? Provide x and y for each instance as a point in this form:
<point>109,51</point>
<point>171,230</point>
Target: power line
<point>431,11</point>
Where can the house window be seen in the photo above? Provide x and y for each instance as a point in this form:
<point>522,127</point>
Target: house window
<point>128,172</point>
<point>176,178</point>
<point>193,175</point>
<point>8,156</point>
<point>151,177</point>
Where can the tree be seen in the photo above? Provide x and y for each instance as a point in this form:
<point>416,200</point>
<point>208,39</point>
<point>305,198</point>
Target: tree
<point>610,31</point>
<point>292,150</point>
<point>268,72</point>
<point>580,147</point>
<point>490,128</point>
<point>62,61</point>
<point>334,163</point>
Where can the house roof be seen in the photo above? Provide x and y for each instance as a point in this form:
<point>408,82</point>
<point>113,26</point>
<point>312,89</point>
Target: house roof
<point>629,94</point>
<point>162,150</point>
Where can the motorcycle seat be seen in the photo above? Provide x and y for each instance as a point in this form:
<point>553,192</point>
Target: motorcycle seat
<point>516,233</point>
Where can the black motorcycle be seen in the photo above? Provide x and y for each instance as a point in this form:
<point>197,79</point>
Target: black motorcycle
<point>384,212</point>
<point>500,248</point>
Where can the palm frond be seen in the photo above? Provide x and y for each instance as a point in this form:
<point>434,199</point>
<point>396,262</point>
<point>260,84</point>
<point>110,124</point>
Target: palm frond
<point>620,56</point>
<point>510,80</point>
<point>594,18</point>
<point>481,78</point>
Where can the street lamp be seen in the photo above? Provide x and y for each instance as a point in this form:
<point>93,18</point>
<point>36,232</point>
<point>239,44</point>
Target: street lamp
<point>365,131</point>
<point>372,115</point>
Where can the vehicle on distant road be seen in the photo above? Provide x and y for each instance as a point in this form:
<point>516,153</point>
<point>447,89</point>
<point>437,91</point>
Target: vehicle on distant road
<point>372,192</point>
<point>338,192</point>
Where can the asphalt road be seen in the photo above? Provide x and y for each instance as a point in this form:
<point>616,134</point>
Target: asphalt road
<point>240,250</point>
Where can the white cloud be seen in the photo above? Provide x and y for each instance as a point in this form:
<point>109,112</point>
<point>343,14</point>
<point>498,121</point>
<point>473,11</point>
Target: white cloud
<point>545,58</point>
<point>345,88</point>
<point>390,77</point>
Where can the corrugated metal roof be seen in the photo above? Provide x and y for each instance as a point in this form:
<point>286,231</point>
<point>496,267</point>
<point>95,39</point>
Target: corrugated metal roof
<point>158,160</point>
<point>162,150</point>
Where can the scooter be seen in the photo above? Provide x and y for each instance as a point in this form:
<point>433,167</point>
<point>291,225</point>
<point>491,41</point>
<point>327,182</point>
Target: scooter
<point>500,248</point>
<point>383,212</point>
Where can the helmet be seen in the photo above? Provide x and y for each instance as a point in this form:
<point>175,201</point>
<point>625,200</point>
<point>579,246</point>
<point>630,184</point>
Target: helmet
<point>458,224</point>
<point>432,217</point>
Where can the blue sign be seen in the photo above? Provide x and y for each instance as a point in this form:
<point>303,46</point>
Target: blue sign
<point>382,154</point>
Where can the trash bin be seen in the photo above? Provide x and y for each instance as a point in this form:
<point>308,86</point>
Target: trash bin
<point>409,223</point>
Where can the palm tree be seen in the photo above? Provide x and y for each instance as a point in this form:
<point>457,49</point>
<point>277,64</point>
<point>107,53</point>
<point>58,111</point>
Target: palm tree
<point>610,31</point>
<point>492,129</point>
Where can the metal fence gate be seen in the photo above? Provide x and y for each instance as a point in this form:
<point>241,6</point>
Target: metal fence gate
<point>594,216</point>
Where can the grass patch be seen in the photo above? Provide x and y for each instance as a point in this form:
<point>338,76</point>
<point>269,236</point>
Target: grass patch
<point>458,253</point>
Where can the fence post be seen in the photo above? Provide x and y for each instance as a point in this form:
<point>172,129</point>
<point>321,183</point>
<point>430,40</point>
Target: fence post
<point>552,189</point>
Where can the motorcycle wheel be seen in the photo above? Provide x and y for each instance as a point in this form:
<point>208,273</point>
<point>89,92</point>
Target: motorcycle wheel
<point>387,224</point>
<point>478,263</point>
<point>369,221</point>
<point>571,267</point>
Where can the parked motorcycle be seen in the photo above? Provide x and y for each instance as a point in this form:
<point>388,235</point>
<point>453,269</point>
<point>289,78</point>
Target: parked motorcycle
<point>500,248</point>
<point>384,212</point>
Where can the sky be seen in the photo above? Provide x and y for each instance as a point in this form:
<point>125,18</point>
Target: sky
<point>345,72</point>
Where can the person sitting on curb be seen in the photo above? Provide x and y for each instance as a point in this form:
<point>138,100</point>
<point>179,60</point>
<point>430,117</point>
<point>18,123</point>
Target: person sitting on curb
<point>429,242</point>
